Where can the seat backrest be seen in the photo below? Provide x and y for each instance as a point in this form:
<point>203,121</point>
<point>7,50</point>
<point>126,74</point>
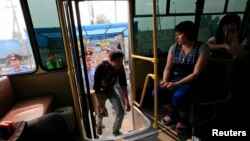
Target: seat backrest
<point>215,82</point>
<point>7,95</point>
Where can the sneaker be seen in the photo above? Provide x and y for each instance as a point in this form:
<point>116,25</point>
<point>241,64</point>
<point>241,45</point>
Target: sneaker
<point>167,120</point>
<point>181,127</point>
<point>99,130</point>
<point>117,133</point>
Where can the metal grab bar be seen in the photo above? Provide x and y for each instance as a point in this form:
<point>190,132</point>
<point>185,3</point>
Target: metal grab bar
<point>144,89</point>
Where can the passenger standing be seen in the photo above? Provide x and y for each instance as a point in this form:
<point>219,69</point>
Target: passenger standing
<point>118,88</point>
<point>90,68</point>
<point>53,62</point>
<point>15,62</point>
<point>106,75</point>
<point>107,51</point>
<point>185,61</point>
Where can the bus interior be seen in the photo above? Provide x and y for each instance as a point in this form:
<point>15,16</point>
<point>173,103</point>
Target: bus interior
<point>36,29</point>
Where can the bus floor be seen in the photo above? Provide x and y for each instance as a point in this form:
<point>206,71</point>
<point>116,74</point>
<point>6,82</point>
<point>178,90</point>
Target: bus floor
<point>108,122</point>
<point>163,133</point>
<point>167,133</point>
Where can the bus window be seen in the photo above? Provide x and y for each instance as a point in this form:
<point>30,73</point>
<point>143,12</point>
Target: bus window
<point>218,6</point>
<point>176,6</point>
<point>166,34</point>
<point>168,15</point>
<point>236,5</point>
<point>16,56</point>
<point>214,6</point>
<point>212,14</point>
<point>144,7</point>
<point>48,34</point>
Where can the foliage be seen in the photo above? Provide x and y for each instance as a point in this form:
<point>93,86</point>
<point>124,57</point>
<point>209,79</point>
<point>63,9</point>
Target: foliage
<point>102,19</point>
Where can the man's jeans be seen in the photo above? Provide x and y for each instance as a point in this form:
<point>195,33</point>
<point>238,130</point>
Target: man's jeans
<point>118,106</point>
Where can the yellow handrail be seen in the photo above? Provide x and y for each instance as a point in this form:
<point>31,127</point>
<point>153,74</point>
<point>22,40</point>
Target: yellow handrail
<point>144,90</point>
<point>144,58</point>
<point>154,60</point>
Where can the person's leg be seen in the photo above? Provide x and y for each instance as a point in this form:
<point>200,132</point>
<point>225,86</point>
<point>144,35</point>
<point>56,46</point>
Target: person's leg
<point>165,96</point>
<point>182,102</point>
<point>120,92</point>
<point>48,127</point>
<point>182,99</point>
<point>116,102</point>
<point>99,117</point>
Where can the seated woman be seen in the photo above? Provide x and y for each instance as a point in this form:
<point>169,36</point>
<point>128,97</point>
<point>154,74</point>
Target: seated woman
<point>185,61</point>
<point>49,127</point>
<point>227,43</point>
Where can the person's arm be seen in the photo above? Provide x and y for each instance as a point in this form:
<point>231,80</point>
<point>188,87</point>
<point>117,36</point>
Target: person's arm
<point>233,46</point>
<point>98,91</point>
<point>168,67</point>
<point>125,96</point>
<point>213,46</point>
<point>97,84</point>
<point>237,48</point>
<point>7,128</point>
<point>218,46</point>
<point>123,84</point>
<point>199,66</point>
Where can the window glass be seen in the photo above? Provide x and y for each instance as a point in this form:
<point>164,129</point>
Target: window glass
<point>236,5</point>
<point>208,26</point>
<point>16,56</point>
<point>48,34</point>
<point>144,7</point>
<point>166,35</point>
<point>182,6</point>
<point>214,6</point>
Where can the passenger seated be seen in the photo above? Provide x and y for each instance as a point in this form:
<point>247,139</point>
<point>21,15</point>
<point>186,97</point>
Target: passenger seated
<point>227,43</point>
<point>185,61</point>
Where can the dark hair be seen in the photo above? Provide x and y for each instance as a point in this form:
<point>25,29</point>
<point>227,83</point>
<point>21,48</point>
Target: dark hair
<point>227,19</point>
<point>187,28</point>
<point>116,54</point>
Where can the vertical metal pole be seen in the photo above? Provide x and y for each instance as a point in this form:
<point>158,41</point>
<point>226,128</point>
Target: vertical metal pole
<point>155,65</point>
<point>70,69</point>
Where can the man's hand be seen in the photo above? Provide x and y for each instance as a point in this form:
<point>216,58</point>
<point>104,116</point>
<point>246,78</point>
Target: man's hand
<point>127,105</point>
<point>102,110</point>
<point>7,128</point>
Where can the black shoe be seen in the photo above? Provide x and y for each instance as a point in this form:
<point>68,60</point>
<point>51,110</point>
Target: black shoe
<point>117,133</point>
<point>99,130</point>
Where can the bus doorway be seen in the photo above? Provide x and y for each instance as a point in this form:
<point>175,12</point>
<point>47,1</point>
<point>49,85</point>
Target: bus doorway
<point>97,39</point>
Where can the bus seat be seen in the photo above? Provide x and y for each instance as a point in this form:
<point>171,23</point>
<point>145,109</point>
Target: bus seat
<point>11,108</point>
<point>213,87</point>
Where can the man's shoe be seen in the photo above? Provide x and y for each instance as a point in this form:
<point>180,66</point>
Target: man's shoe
<point>103,126</point>
<point>117,133</point>
<point>99,130</point>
